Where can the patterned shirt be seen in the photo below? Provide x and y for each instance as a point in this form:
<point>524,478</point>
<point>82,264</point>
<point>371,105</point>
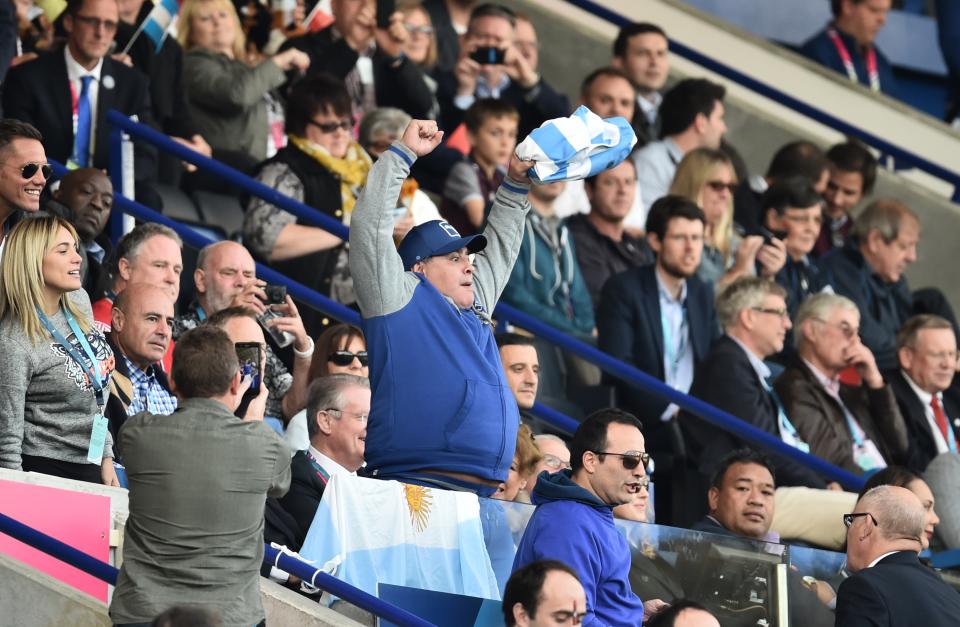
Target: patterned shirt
<point>276,377</point>
<point>148,394</point>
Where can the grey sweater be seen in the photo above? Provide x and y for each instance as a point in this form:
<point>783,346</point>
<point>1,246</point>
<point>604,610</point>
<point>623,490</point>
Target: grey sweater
<point>46,403</point>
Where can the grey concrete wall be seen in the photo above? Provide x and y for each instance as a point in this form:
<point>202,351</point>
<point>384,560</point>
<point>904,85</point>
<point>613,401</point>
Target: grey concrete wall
<point>29,598</point>
<point>284,607</point>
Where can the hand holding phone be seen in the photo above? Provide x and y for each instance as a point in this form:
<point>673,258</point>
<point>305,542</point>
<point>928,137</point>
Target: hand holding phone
<point>489,55</point>
<point>250,356</point>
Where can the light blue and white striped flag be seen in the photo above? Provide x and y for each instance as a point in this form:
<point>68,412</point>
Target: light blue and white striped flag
<point>157,24</point>
<point>406,535</point>
<point>574,148</point>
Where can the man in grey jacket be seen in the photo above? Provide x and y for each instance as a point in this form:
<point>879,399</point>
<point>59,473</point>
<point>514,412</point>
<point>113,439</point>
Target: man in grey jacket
<point>198,482</point>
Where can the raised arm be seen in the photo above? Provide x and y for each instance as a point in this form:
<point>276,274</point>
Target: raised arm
<point>379,279</point>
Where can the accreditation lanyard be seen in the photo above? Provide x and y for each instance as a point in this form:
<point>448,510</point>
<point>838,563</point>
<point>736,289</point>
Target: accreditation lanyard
<point>91,370</point>
<point>74,107</point>
<point>870,58</point>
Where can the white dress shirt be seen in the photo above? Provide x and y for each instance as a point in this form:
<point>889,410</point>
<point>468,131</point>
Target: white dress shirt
<point>74,72</point>
<point>656,165</point>
<point>650,106</point>
<point>925,398</point>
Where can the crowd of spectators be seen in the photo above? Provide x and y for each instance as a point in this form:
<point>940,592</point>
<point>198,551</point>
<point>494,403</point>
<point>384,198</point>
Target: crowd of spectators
<point>780,300</point>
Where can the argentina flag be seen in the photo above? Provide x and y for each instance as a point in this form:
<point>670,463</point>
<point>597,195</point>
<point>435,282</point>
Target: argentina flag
<point>400,534</point>
<point>576,147</point>
<point>157,24</point>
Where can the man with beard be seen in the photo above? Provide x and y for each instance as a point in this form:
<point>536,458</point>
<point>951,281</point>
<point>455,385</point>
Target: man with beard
<point>660,317</point>
<point>226,277</point>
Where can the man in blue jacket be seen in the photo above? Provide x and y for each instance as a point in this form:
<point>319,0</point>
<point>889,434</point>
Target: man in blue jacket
<point>608,461</point>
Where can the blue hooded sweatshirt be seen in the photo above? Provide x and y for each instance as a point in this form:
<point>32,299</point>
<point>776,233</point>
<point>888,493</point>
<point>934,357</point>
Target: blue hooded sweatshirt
<point>573,526</point>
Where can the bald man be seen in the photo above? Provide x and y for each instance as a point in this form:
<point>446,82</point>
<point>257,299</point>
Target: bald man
<point>889,585</point>
<point>140,336</point>
<point>85,198</point>
<point>226,276</point>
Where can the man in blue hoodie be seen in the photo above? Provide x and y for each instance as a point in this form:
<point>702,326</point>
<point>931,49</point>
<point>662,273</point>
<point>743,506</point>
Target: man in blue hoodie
<point>607,462</point>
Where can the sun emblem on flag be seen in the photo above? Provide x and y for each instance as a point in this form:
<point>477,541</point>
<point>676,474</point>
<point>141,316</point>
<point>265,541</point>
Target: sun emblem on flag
<point>419,501</point>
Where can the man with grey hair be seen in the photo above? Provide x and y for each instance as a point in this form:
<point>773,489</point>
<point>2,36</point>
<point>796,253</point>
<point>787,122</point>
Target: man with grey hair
<point>150,253</point>
<point>889,585</point>
<point>733,378</point>
<point>858,428</point>
<point>869,271</point>
<point>337,410</point>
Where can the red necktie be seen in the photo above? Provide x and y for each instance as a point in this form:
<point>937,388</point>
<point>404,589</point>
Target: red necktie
<point>940,417</point>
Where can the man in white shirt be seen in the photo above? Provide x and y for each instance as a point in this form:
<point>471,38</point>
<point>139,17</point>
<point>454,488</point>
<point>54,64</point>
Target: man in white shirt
<point>927,353</point>
<point>691,117</point>
<point>641,51</point>
<point>337,408</point>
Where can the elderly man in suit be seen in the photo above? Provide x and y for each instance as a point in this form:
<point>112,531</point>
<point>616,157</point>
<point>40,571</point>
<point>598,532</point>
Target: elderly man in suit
<point>337,409</point>
<point>927,352</point>
<point>858,428</point>
<point>66,94</point>
<point>889,585</point>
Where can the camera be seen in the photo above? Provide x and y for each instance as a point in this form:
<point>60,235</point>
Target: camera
<point>489,55</point>
<point>276,294</point>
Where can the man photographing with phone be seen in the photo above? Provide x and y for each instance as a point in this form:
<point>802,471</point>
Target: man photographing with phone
<point>226,277</point>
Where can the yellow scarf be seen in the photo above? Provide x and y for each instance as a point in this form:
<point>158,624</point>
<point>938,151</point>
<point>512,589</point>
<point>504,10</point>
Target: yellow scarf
<point>352,169</point>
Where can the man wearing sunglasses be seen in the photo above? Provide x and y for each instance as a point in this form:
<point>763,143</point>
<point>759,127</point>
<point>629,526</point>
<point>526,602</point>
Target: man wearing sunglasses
<point>608,468</point>
<point>226,277</point>
<point>890,586</point>
<point>25,169</point>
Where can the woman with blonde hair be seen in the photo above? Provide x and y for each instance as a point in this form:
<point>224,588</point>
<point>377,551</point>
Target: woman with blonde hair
<point>706,177</point>
<point>229,94</point>
<point>55,367</point>
<point>525,459</point>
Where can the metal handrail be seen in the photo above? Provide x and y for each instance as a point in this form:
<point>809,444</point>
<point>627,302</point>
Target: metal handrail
<point>626,372</point>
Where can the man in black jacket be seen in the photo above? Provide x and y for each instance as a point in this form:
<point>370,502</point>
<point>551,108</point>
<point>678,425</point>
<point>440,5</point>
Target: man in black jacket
<point>337,410</point>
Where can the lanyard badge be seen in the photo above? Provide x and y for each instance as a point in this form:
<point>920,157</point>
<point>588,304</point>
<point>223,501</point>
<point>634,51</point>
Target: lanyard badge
<point>870,58</point>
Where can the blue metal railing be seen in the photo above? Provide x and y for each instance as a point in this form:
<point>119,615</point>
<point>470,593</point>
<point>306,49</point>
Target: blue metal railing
<point>902,155</point>
<point>624,371</point>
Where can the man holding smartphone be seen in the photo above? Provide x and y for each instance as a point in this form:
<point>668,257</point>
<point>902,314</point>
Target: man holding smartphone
<point>226,277</point>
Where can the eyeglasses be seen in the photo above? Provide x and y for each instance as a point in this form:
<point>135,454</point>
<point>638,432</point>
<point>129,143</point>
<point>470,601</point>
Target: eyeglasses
<point>413,29</point>
<point>781,312</point>
<point>29,170</point>
<point>360,417</point>
<point>332,127</point>
<point>719,186</point>
<point>554,462</point>
<point>845,329</point>
<point>849,518</point>
<point>345,358</point>
<point>630,459</point>
<point>95,23</point>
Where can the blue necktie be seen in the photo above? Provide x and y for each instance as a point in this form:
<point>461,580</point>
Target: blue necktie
<point>81,142</point>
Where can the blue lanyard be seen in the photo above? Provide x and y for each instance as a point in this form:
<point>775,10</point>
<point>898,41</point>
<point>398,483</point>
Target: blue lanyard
<point>201,314</point>
<point>90,370</point>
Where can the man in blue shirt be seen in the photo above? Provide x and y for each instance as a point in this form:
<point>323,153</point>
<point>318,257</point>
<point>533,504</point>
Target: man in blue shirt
<point>846,45</point>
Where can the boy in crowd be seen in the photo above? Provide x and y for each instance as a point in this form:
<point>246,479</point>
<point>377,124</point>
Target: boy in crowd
<point>469,190</point>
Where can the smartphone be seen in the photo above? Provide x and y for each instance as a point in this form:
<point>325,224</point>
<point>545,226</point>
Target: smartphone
<point>385,8</point>
<point>489,55</point>
<point>769,235</point>
<point>276,294</point>
<point>250,355</point>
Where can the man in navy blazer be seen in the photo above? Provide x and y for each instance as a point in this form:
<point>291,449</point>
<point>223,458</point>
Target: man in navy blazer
<point>660,317</point>
<point>890,586</point>
<point>46,91</point>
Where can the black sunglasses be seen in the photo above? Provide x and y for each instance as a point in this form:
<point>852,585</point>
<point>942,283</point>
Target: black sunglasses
<point>630,460</point>
<point>345,358</point>
<point>29,170</point>
<point>330,127</point>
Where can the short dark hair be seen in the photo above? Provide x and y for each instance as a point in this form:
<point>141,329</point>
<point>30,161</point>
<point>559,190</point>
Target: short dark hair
<point>852,156</point>
<point>591,181</point>
<point>796,192</point>
<point>525,586</point>
<point>607,71</point>
<point>669,615</point>
<point>591,435</point>
<point>223,316</point>
<point>669,207</point>
<point>187,616</point>
<point>315,94</point>
<point>492,9</point>
<point>629,31</point>
<point>204,362</point>
<point>685,101</point>
<point>837,5</point>
<point>512,339</point>
<point>485,108</point>
<point>11,129</point>
<point>741,456</point>
<point>891,475</point>
<point>73,7</point>
<point>799,158</point>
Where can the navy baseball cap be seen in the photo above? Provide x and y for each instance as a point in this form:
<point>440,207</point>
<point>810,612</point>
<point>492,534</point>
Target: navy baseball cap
<point>436,237</point>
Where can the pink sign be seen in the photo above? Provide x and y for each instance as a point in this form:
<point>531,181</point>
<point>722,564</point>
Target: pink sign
<point>78,519</point>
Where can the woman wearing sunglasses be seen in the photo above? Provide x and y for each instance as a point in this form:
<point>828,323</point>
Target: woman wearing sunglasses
<point>706,177</point>
<point>55,367</point>
<point>340,349</point>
